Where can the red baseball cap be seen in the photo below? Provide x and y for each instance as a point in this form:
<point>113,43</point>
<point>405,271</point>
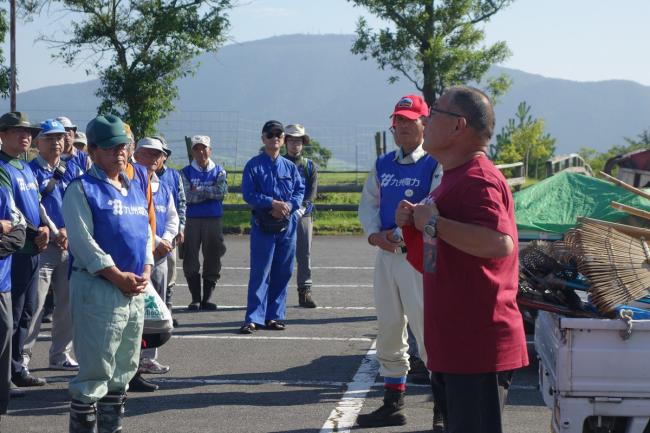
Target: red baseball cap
<point>411,106</point>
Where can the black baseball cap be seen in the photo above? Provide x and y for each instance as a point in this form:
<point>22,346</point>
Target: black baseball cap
<point>272,125</point>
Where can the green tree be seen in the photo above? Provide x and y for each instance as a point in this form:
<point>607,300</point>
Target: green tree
<point>4,70</point>
<point>316,152</point>
<point>641,142</point>
<point>139,48</point>
<point>523,139</point>
<point>597,159</point>
<point>434,44</point>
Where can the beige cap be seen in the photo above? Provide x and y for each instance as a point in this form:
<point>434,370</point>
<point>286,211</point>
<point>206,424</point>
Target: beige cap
<point>296,130</point>
<point>80,137</point>
<point>150,143</point>
<point>201,139</point>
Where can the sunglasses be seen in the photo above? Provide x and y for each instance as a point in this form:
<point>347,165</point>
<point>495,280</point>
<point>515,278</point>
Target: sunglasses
<point>276,134</point>
<point>448,113</point>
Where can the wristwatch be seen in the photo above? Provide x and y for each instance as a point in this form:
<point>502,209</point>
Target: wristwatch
<point>430,229</point>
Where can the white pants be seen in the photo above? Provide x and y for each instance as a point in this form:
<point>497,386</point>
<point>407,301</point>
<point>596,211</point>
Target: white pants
<point>54,273</point>
<point>398,299</point>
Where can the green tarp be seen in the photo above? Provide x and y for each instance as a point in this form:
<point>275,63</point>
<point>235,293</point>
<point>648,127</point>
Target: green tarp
<point>554,204</point>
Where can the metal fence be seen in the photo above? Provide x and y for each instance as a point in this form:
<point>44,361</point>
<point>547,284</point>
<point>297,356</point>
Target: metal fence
<point>236,138</point>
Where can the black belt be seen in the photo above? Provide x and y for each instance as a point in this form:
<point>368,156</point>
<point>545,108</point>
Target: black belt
<point>75,268</point>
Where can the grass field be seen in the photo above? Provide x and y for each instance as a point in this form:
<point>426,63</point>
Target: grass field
<point>325,223</point>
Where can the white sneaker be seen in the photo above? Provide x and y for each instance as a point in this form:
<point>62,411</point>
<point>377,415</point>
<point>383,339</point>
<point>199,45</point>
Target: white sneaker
<point>152,366</point>
<point>67,365</point>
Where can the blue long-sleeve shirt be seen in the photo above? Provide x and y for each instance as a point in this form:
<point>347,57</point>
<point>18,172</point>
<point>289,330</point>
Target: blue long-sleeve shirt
<point>265,180</point>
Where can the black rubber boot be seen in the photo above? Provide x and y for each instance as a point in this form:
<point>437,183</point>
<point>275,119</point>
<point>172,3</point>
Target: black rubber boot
<point>418,372</point>
<point>438,421</point>
<point>110,412</point>
<point>388,414</point>
<point>194,284</point>
<point>83,417</point>
<point>208,289</point>
<point>304,297</point>
<point>139,384</point>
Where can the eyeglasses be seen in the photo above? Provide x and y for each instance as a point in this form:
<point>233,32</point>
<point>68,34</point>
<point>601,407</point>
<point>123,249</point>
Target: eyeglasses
<point>120,148</point>
<point>448,113</point>
<point>270,135</point>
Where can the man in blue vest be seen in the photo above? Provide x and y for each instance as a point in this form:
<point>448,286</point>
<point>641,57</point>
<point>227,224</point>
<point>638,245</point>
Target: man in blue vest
<point>172,178</point>
<point>76,161</point>
<point>76,158</point>
<point>53,177</point>
<point>205,186</point>
<point>110,239</point>
<point>273,188</point>
<point>405,173</point>
<point>12,238</point>
<point>150,154</point>
<point>297,139</point>
<point>80,141</point>
<point>16,135</point>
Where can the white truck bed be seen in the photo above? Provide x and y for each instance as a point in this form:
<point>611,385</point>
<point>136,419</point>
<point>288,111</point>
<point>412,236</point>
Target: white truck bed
<point>587,369</point>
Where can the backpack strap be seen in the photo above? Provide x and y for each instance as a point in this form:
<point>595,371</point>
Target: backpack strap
<point>54,180</point>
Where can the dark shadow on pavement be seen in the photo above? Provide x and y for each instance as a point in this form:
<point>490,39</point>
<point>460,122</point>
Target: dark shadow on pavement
<point>41,402</point>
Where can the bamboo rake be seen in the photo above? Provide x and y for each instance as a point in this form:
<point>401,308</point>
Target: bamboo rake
<point>636,232</point>
<point>616,265</point>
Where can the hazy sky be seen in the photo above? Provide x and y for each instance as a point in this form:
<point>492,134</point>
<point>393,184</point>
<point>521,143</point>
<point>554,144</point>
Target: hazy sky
<point>583,40</point>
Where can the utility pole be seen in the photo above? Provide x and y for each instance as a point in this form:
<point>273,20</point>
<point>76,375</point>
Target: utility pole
<point>12,55</point>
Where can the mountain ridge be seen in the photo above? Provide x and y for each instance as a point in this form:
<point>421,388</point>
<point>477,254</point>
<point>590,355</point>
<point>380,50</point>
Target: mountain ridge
<point>317,81</point>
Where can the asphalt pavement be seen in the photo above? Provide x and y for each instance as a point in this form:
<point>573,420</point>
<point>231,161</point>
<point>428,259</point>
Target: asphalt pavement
<point>314,377</point>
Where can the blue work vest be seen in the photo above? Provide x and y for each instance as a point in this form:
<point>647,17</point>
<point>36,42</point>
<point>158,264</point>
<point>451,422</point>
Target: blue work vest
<point>53,201</point>
<point>5,262</point>
<point>198,179</point>
<point>75,166</point>
<point>141,176</point>
<point>25,191</point>
<point>160,202</point>
<point>399,182</point>
<point>172,179</point>
<point>121,223</point>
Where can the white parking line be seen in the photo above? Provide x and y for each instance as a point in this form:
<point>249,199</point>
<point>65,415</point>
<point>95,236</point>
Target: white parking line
<point>345,413</point>
<point>262,337</point>
<point>339,268</point>
<point>241,307</point>
<point>190,381</point>
<point>314,286</point>
<point>47,335</point>
<point>251,382</point>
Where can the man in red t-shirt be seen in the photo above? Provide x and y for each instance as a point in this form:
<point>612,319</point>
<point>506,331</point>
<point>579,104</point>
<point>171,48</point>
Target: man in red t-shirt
<point>472,327</point>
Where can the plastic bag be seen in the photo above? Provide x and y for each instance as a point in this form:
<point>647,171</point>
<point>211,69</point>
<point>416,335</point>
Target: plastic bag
<point>157,317</point>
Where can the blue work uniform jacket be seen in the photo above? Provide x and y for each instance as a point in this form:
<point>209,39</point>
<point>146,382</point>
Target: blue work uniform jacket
<point>265,179</point>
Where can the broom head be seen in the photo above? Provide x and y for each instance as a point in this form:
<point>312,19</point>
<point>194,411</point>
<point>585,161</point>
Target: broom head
<point>617,265</point>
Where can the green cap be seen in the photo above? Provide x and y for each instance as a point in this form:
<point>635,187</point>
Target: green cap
<point>16,119</point>
<point>106,131</point>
